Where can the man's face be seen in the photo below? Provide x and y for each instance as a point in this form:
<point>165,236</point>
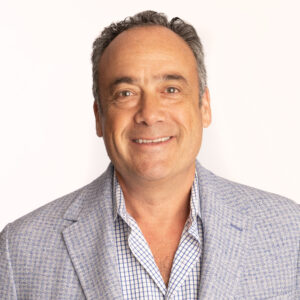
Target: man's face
<point>151,120</point>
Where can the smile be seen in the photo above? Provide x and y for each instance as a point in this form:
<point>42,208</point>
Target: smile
<point>159,140</point>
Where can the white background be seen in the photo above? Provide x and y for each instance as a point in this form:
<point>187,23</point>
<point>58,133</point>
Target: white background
<point>48,142</point>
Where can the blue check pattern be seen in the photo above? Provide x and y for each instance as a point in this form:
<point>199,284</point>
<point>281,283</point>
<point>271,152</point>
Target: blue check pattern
<point>67,248</point>
<point>139,275</point>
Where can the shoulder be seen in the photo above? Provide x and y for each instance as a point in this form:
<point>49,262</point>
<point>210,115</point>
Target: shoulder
<point>255,202</point>
<point>271,232</point>
<point>276,217</point>
<point>249,200</point>
<point>271,213</point>
<point>50,219</point>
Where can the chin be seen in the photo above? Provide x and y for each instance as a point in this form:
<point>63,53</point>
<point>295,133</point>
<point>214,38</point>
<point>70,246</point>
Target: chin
<point>152,171</point>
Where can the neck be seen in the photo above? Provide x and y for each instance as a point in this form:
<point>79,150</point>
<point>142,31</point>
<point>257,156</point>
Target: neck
<point>158,202</point>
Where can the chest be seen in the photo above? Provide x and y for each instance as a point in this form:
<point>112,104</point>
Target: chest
<point>141,260</point>
<point>163,248</point>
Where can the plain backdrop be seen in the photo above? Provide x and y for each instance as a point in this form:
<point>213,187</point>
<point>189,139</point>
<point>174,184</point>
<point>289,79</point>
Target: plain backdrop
<point>48,142</point>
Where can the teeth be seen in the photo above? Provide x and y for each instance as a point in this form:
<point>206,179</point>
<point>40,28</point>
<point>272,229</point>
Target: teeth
<point>141,141</point>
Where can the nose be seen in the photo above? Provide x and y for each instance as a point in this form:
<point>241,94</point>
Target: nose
<point>150,110</point>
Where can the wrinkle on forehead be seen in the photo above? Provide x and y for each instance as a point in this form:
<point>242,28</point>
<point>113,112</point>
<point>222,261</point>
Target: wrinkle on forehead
<point>146,52</point>
<point>146,40</point>
<point>142,34</point>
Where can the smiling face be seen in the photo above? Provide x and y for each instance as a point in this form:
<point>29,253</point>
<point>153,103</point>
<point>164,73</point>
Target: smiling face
<point>151,120</point>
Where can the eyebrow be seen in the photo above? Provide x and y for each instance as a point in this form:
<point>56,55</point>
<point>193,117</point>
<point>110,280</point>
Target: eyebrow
<point>119,80</point>
<point>123,79</point>
<point>166,77</point>
<point>131,80</point>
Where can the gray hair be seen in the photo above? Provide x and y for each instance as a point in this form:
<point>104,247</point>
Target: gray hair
<point>148,18</point>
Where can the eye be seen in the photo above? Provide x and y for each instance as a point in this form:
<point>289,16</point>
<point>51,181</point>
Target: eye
<point>171,90</point>
<point>125,93</point>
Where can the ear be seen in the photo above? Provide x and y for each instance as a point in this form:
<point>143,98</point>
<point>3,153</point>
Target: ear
<point>98,119</point>
<point>205,109</point>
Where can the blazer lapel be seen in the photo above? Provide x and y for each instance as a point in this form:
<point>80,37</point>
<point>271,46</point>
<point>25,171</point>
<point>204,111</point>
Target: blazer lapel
<point>90,240</point>
<point>226,238</point>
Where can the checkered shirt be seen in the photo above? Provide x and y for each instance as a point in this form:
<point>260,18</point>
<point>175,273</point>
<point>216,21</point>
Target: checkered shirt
<point>139,275</point>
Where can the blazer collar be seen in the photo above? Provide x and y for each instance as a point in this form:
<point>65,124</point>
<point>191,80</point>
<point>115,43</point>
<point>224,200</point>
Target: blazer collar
<point>90,239</point>
<point>227,234</point>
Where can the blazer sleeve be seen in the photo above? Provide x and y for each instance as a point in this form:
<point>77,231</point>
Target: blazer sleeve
<point>7,285</point>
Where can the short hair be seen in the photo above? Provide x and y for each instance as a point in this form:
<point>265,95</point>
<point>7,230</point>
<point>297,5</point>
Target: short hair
<point>149,18</point>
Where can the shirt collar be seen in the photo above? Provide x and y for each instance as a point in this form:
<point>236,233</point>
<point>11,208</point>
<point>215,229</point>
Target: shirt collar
<point>118,199</point>
<point>119,207</point>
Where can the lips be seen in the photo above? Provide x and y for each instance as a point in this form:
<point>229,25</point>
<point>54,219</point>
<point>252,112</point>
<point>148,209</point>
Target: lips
<point>152,141</point>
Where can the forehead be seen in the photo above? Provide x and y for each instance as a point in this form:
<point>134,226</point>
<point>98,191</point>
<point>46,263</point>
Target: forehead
<point>146,49</point>
<point>153,36</point>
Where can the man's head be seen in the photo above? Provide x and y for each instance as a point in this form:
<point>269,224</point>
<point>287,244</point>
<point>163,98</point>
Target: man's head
<point>149,18</point>
<point>150,118</point>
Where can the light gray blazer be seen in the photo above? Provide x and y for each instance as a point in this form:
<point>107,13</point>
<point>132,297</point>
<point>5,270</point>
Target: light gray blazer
<point>66,249</point>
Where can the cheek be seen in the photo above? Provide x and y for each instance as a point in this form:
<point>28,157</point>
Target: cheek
<point>197,129</point>
<point>192,135</point>
<point>116,124</point>
<point>190,119</point>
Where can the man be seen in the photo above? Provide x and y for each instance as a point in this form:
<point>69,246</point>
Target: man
<point>156,224</point>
